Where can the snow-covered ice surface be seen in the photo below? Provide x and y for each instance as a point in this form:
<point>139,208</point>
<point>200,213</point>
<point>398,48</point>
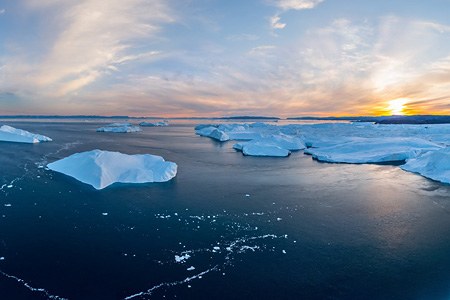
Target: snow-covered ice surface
<point>354,143</point>
<point>434,165</point>
<point>103,168</point>
<point>373,150</point>
<point>11,134</point>
<point>119,128</point>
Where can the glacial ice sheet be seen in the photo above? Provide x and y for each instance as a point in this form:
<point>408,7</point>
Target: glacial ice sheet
<point>11,134</point>
<point>434,165</point>
<point>373,150</point>
<point>103,168</point>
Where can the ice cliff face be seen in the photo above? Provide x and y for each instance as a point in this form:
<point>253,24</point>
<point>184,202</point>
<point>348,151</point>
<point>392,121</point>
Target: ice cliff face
<point>103,168</point>
<point>433,164</point>
<point>11,134</point>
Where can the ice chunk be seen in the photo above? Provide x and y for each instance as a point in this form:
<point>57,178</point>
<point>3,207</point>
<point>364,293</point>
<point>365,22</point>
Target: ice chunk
<point>182,258</point>
<point>103,168</point>
<point>256,149</point>
<point>11,134</point>
<point>219,135</point>
<point>205,131</point>
<point>373,150</point>
<point>434,165</point>
<point>154,124</point>
<point>119,128</point>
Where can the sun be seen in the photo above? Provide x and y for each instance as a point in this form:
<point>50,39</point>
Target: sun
<point>397,106</point>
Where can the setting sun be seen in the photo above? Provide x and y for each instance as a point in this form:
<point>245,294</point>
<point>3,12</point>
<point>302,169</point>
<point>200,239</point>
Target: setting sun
<point>397,106</point>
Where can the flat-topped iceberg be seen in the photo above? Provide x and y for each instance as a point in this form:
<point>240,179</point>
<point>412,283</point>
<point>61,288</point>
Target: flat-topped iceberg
<point>103,168</point>
<point>257,149</point>
<point>373,150</point>
<point>273,145</point>
<point>119,128</point>
<point>11,134</point>
<point>434,165</point>
<point>154,124</point>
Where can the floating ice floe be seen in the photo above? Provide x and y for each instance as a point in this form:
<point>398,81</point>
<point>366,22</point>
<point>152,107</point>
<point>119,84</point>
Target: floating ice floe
<point>11,134</point>
<point>154,124</point>
<point>103,168</point>
<point>434,165</point>
<point>119,128</point>
<point>373,150</point>
<point>273,145</point>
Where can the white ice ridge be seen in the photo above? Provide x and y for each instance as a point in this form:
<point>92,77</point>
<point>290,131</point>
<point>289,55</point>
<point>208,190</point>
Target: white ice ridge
<point>11,134</point>
<point>155,124</point>
<point>33,289</point>
<point>434,165</point>
<point>103,168</point>
<point>119,128</point>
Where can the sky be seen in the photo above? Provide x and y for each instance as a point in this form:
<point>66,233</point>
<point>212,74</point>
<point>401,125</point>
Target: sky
<point>184,58</point>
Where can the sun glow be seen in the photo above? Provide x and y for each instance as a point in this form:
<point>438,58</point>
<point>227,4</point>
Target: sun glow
<point>397,106</point>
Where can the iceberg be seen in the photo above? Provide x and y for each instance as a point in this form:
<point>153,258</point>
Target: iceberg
<point>103,168</point>
<point>213,132</point>
<point>219,135</point>
<point>434,165</point>
<point>373,150</point>
<point>155,124</point>
<point>256,149</point>
<point>119,128</point>
<point>11,134</point>
<point>273,145</point>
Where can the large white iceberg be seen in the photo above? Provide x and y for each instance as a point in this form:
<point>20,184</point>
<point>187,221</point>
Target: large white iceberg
<point>434,165</point>
<point>373,150</point>
<point>119,128</point>
<point>11,134</point>
<point>273,145</point>
<point>103,168</point>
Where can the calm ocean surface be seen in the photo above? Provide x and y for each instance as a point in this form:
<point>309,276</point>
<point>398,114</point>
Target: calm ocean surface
<point>251,228</point>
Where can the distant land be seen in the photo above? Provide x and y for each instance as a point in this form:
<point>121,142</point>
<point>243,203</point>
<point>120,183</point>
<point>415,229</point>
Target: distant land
<point>128,117</point>
<point>249,118</point>
<point>415,119</point>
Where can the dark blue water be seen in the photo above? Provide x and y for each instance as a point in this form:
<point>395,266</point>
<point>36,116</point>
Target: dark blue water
<point>287,228</point>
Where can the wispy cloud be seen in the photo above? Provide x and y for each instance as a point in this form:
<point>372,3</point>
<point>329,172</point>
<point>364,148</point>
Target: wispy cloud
<point>2,11</point>
<point>285,5</point>
<point>275,22</point>
<point>296,4</point>
<point>93,37</point>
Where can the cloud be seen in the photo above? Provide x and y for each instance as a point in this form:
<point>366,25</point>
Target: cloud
<point>296,4</point>
<point>89,38</point>
<point>263,50</point>
<point>2,11</point>
<point>285,5</point>
<point>275,22</point>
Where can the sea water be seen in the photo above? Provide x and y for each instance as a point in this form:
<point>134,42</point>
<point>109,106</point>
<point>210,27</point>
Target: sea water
<point>226,227</point>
